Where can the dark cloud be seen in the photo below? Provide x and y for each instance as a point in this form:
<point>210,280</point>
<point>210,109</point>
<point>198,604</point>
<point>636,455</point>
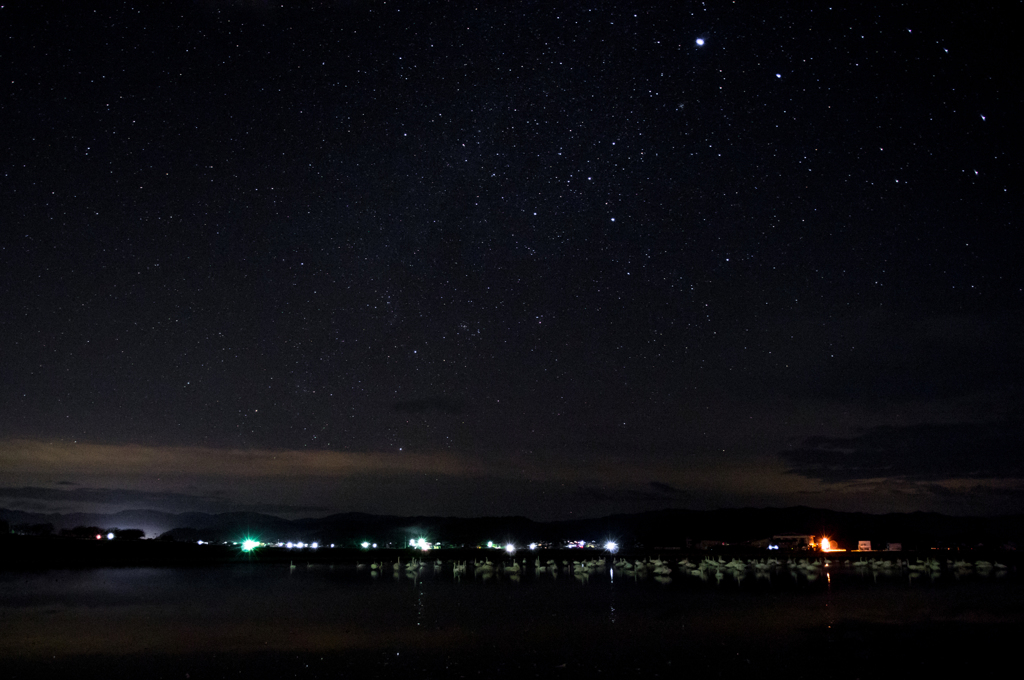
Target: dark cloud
<point>88,495</point>
<point>667,489</point>
<point>661,493</point>
<point>975,491</point>
<point>621,495</point>
<point>140,499</point>
<point>447,405</point>
<point>278,508</point>
<point>916,452</point>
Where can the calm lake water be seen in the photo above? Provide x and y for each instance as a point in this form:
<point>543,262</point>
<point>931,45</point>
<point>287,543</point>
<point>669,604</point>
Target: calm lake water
<point>339,621</point>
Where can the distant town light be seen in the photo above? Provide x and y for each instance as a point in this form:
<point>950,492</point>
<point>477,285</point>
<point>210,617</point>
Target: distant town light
<point>611,546</point>
<point>314,545</point>
<point>828,545</point>
<point>110,536</point>
<point>510,549</point>
<point>248,545</point>
<point>533,546</point>
<point>365,544</point>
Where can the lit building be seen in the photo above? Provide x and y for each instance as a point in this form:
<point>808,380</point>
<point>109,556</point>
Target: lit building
<point>795,541</point>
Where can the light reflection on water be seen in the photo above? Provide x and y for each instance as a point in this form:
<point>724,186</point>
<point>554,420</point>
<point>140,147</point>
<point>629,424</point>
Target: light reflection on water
<point>248,608</point>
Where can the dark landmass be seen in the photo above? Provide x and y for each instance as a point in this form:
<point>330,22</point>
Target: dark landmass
<point>649,530</point>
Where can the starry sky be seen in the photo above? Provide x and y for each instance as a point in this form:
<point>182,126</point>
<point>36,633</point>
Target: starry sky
<point>557,259</point>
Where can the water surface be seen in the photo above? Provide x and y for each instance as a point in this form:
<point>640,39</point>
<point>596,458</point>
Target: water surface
<point>329,621</point>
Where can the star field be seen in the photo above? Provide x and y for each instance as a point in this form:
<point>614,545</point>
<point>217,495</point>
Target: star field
<point>668,237</point>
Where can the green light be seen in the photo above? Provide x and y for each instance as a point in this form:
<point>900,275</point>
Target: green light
<point>365,544</point>
<point>248,545</point>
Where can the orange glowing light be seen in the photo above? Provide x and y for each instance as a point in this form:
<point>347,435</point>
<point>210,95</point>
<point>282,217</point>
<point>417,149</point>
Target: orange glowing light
<point>826,545</point>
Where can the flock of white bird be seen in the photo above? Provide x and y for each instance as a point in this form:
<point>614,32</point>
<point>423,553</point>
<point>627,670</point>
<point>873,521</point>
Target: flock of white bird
<point>708,569</point>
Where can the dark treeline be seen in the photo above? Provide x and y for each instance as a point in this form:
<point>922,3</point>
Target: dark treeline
<point>90,532</point>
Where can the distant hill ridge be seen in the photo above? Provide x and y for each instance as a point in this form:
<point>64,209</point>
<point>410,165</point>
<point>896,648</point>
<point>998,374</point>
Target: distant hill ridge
<point>661,528</point>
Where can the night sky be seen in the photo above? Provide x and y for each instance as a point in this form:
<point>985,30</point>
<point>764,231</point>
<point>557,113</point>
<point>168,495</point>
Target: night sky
<point>557,259</point>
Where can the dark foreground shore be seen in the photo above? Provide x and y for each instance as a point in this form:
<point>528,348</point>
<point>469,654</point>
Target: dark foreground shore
<point>850,650</point>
